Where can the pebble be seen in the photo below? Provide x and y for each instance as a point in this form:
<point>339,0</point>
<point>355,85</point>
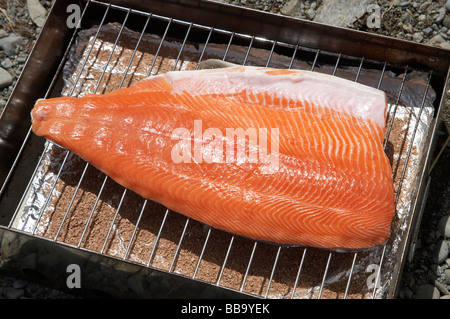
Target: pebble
<point>407,27</point>
<point>447,5</point>
<point>422,17</point>
<point>441,287</point>
<point>447,276</point>
<point>439,41</point>
<point>441,15</point>
<point>443,226</point>
<point>427,291</point>
<point>310,13</point>
<point>13,293</point>
<point>37,12</point>
<point>341,13</point>
<point>6,79</point>
<point>441,252</point>
<point>424,6</point>
<point>6,63</point>
<point>19,284</point>
<point>436,270</point>
<point>446,21</point>
<point>444,36</point>
<point>289,8</point>
<point>405,3</point>
<point>21,59</point>
<point>10,44</point>
<point>427,31</point>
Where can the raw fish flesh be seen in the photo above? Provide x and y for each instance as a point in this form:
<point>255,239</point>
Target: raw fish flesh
<point>285,156</point>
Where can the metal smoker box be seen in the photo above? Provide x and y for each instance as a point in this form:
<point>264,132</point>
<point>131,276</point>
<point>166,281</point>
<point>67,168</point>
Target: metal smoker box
<point>120,41</point>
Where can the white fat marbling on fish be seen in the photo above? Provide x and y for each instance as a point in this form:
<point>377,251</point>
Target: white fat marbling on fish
<point>320,89</point>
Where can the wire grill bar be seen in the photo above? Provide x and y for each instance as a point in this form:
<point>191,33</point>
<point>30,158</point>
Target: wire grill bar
<point>166,214</point>
<point>248,266</point>
<point>232,36</point>
<point>413,135</point>
<point>135,230</point>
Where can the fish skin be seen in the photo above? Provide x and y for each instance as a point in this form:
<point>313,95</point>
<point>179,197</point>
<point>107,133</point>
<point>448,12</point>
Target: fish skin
<point>333,188</point>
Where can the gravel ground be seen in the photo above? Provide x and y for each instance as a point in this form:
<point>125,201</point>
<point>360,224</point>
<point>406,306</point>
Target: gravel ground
<point>428,22</point>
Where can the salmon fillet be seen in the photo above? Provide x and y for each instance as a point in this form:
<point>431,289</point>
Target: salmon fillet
<point>285,156</point>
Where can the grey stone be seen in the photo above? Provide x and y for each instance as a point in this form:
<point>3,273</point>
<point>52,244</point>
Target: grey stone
<point>447,276</point>
<point>6,79</point>
<point>19,284</point>
<point>441,252</point>
<point>22,59</point>
<point>7,63</point>
<point>417,37</point>
<point>427,31</point>
<point>446,21</point>
<point>436,269</point>
<point>440,16</point>
<point>445,45</point>
<point>13,293</point>
<point>10,44</point>
<point>37,12</point>
<point>422,17</point>
<point>441,287</point>
<point>427,291</point>
<point>443,226</point>
<point>10,242</point>
<point>407,17</point>
<point>407,27</point>
<point>341,12</point>
<point>408,294</point>
<point>405,3</point>
<point>424,5</point>
<point>310,14</point>
<point>447,5</point>
<point>290,7</point>
<point>437,41</point>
